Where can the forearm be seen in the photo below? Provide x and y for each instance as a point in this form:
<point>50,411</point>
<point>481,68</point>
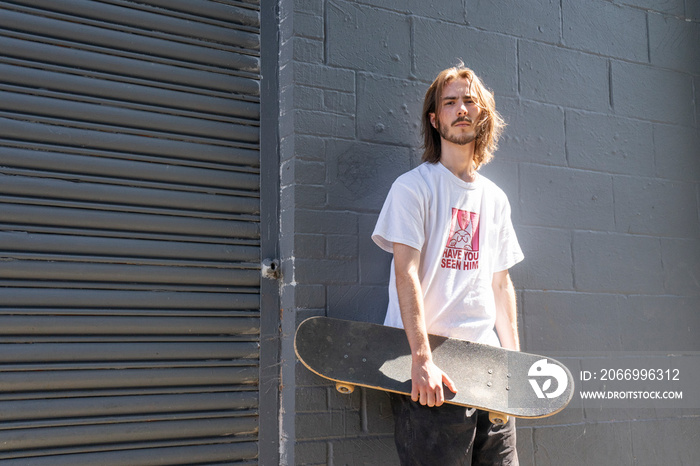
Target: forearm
<point>506,311</point>
<point>426,378</point>
<point>410,296</point>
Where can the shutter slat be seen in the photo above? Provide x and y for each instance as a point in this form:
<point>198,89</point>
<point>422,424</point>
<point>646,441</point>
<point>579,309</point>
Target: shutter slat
<point>118,42</point>
<point>82,407</point>
<point>90,272</point>
<point>126,196</point>
<point>216,10</point>
<point>40,379</point>
<point>99,112</point>
<point>19,130</point>
<point>48,323</point>
<point>120,13</point>
<point>88,219</point>
<point>81,352</point>
<point>226,105</point>
<point>211,450</point>
<point>126,299</point>
<point>25,439</point>
<point>151,173</point>
<point>131,248</point>
<point>129,67</point>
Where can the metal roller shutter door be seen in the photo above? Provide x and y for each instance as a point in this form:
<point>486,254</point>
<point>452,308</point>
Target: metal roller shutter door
<point>129,232</point>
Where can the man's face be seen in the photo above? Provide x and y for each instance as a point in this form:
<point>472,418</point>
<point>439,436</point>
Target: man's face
<point>458,114</point>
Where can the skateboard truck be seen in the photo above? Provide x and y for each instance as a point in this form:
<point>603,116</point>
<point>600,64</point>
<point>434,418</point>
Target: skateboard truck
<point>498,419</point>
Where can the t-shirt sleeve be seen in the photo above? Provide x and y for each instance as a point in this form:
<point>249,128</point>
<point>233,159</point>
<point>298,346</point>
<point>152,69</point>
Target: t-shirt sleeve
<point>509,252</point>
<point>401,219</point>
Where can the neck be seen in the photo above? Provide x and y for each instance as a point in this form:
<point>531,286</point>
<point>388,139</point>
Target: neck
<point>459,159</point>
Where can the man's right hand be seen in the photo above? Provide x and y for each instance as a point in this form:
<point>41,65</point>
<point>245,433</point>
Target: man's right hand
<point>426,383</point>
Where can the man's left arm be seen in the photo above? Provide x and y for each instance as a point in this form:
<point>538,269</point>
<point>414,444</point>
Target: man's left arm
<point>506,312</point>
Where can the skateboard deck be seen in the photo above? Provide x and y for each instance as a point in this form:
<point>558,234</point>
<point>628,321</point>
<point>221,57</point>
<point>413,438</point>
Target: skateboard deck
<point>503,382</point>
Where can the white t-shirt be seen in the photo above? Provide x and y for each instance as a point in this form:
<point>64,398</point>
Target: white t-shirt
<point>464,233</point>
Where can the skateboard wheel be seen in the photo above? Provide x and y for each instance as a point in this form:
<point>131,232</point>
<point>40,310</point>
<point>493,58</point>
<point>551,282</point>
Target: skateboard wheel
<point>344,388</point>
<point>498,418</point>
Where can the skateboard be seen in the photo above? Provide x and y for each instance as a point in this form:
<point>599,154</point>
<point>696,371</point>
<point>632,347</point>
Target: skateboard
<point>503,382</point>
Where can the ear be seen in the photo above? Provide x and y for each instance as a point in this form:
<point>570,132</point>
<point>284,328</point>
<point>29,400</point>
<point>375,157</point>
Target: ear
<point>432,120</point>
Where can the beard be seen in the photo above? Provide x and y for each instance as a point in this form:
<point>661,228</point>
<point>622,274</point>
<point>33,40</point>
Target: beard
<point>459,138</point>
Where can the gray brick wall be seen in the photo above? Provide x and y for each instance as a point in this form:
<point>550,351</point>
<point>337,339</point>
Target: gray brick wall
<point>600,161</point>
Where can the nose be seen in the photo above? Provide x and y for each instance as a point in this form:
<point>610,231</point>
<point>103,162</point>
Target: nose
<point>463,109</point>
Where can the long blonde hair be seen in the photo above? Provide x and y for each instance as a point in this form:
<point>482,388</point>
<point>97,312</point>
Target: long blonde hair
<point>490,124</point>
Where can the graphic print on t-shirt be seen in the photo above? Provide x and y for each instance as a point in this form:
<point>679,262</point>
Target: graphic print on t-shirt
<point>462,249</point>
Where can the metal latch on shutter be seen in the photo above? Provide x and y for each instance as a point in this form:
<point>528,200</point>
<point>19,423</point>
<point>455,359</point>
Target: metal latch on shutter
<point>271,269</point>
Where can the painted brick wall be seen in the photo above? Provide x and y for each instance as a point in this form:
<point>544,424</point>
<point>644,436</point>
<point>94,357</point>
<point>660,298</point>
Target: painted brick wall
<point>600,161</point>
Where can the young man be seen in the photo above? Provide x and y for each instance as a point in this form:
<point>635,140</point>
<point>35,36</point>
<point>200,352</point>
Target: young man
<point>450,231</point>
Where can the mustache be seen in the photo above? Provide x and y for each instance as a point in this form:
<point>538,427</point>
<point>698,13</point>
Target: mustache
<point>462,120</point>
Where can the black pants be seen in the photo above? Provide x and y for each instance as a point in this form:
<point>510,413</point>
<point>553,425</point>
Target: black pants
<point>450,435</point>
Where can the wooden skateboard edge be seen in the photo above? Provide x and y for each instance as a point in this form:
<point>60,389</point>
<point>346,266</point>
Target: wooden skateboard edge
<point>338,381</point>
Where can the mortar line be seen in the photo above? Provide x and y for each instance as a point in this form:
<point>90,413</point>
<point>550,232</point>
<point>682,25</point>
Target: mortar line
<point>517,66</point>
<point>561,22</point>
<point>363,411</point>
<point>566,139</point>
<point>325,33</point>
<point>411,43</point>
<point>648,39</point>
<point>611,100</point>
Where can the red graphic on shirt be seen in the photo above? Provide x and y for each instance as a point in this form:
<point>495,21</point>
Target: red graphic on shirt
<point>462,248</point>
